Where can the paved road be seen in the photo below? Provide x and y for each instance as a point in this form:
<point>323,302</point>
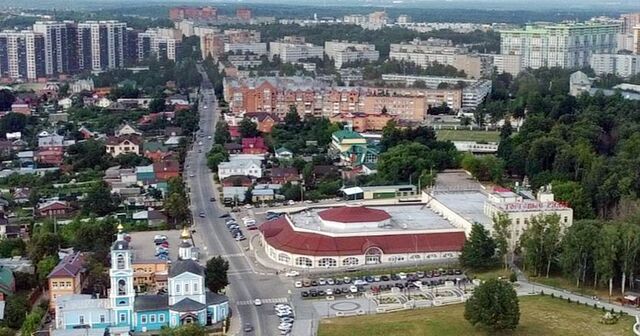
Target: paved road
<point>246,283</point>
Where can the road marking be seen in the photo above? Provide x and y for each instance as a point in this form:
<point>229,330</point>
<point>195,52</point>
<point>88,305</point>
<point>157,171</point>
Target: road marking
<point>269,300</point>
<point>233,255</point>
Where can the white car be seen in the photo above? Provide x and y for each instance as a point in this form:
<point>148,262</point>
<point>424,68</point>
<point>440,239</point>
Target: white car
<point>353,289</point>
<point>322,282</point>
<point>297,284</point>
<point>359,282</point>
<point>402,275</point>
<point>292,273</point>
<point>209,137</point>
<point>330,281</point>
<point>257,302</point>
<point>285,326</point>
<point>284,313</point>
<point>248,206</point>
<point>329,291</point>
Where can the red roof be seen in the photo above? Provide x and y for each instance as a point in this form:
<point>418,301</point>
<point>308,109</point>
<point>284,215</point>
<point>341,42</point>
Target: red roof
<point>280,235</point>
<point>357,214</point>
<point>70,266</point>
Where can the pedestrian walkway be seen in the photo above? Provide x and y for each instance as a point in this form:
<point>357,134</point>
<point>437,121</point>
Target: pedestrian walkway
<point>269,300</point>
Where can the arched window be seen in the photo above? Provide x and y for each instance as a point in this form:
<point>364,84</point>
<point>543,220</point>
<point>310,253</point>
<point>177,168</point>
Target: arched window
<point>415,257</point>
<point>373,255</point>
<point>448,255</point>
<point>284,258</point>
<point>304,262</point>
<point>432,256</point>
<point>351,261</point>
<point>120,261</point>
<point>327,262</point>
<point>122,287</point>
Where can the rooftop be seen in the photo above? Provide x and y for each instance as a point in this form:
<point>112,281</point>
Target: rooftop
<point>415,217</point>
<point>144,249</point>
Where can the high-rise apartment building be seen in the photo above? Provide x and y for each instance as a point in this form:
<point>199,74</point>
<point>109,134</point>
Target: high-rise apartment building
<point>567,45</point>
<point>154,43</point>
<point>193,13</point>
<point>636,40</point>
<point>618,64</point>
<point>629,20</point>
<point>22,55</point>
<point>101,45</point>
<point>60,44</point>
<point>244,14</point>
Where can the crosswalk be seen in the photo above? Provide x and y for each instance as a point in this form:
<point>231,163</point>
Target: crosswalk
<point>269,300</point>
<point>237,255</point>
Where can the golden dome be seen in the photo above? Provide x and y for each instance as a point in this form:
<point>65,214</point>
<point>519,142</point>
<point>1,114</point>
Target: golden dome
<point>185,233</point>
<point>120,227</point>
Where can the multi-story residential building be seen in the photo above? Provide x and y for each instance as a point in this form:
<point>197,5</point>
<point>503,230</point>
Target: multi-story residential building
<point>22,55</point>
<point>344,52</point>
<point>427,53</point>
<point>511,64</point>
<point>212,44</point>
<point>636,40</point>
<point>363,122</point>
<point>567,45</point>
<point>292,49</point>
<point>60,44</point>
<point>193,13</point>
<point>101,45</point>
<point>244,14</point>
<point>629,21</point>
<point>619,64</point>
<point>124,144</point>
<point>157,43</point>
<point>257,48</point>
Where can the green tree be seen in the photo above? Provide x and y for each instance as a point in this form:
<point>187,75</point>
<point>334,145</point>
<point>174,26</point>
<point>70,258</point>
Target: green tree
<point>10,247</point>
<point>131,160</point>
<point>222,135</point>
<point>216,274</point>
<point>247,128</point>
<point>15,311</point>
<point>43,244</point>
<point>12,122</point>
<point>494,304</point>
<point>479,250</point>
<point>90,154</point>
<point>578,249</point>
<point>541,242</point>
<point>484,168</point>
<point>6,99</point>
<point>157,105</point>
<point>501,224</point>
<point>99,200</point>
<point>607,253</point>
<point>628,251</point>
<point>45,266</point>
<point>185,330</point>
<point>32,321</point>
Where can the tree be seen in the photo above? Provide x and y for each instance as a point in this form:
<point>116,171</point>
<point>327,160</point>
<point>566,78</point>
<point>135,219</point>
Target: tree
<point>479,249</point>
<point>501,224</point>
<point>13,122</point>
<point>494,304</point>
<point>99,200</point>
<point>216,274</point>
<point>578,246</point>
<point>11,247</point>
<point>292,118</point>
<point>484,168</point>
<point>15,311</point>
<point>185,330</point>
<point>222,135</point>
<point>248,129</point>
<point>6,99</point>
<point>131,160</point>
<point>90,154</point>
<point>607,253</point>
<point>43,244</point>
<point>157,105</point>
<point>541,242</point>
<point>45,266</point>
<point>629,248</point>
<point>32,322</point>
<point>407,161</point>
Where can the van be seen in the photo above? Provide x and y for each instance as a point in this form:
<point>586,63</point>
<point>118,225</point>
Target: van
<point>306,282</point>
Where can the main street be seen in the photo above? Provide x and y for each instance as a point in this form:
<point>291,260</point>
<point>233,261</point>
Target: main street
<point>246,282</point>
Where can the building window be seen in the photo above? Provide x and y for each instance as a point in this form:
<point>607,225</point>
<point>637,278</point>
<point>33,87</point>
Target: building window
<point>304,262</point>
<point>81,319</point>
<point>143,319</point>
<point>120,262</point>
<point>415,257</point>
<point>123,317</point>
<point>351,261</point>
<point>186,288</point>
<point>327,262</point>
<point>102,319</point>
<point>68,284</point>
<point>152,318</point>
<point>161,318</point>
<point>54,284</point>
<point>122,287</point>
<point>195,287</point>
<point>177,288</point>
<point>284,258</point>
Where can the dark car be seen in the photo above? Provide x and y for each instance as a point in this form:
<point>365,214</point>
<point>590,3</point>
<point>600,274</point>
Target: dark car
<point>224,215</point>
<point>368,278</point>
<point>449,272</point>
<point>314,283</point>
<point>395,277</point>
<point>337,291</point>
<point>338,282</point>
<point>304,294</point>
<point>248,327</point>
<point>384,278</point>
<point>212,199</point>
<point>399,285</point>
<point>321,292</point>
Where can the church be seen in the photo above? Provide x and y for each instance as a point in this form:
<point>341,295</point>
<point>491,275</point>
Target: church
<point>123,313</point>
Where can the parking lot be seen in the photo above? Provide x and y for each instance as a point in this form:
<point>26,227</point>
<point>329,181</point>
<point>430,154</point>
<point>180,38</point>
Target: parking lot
<point>144,248</point>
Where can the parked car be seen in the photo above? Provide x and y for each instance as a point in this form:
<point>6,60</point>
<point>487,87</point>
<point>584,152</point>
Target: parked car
<point>304,294</point>
<point>297,284</point>
<point>257,302</point>
<point>353,289</point>
<point>292,273</point>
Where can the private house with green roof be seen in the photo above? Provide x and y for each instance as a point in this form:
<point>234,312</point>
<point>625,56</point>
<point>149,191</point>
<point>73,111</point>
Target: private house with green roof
<point>7,281</point>
<point>358,155</point>
<point>343,140</point>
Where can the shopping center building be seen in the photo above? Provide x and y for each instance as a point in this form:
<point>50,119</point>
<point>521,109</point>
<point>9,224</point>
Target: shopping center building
<point>355,235</point>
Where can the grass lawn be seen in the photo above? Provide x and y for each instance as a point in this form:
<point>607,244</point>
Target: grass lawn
<point>467,135</point>
<point>489,274</point>
<point>539,315</point>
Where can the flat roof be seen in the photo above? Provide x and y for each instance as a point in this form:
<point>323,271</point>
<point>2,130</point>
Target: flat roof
<point>468,204</point>
<point>414,217</point>
<point>144,249</point>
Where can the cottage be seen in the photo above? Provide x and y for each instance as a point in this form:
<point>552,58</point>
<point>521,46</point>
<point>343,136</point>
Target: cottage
<point>164,170</point>
<point>130,143</point>
<point>127,129</point>
<point>283,153</point>
<point>153,218</point>
<point>233,148</point>
<point>52,156</point>
<point>234,195</point>
<point>264,121</point>
<point>254,146</point>
<point>145,174</point>
<point>54,209</point>
<point>67,277</point>
<point>240,167</point>
<point>284,175</point>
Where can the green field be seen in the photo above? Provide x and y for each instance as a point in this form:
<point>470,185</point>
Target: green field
<point>467,135</point>
<point>540,315</point>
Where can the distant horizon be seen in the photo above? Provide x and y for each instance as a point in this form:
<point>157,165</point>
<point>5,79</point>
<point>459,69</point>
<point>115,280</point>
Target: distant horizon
<point>501,5</point>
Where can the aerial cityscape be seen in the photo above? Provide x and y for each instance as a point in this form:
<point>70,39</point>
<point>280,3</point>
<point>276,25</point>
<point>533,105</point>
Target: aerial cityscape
<point>337,168</point>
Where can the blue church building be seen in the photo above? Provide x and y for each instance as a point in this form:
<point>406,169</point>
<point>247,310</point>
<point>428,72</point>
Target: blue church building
<point>123,313</point>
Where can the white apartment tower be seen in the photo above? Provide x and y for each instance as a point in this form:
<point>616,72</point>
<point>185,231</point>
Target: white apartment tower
<point>567,45</point>
<point>101,45</point>
<point>22,55</point>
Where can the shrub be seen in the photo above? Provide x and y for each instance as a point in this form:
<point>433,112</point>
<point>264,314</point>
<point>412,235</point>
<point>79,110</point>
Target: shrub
<point>513,277</point>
